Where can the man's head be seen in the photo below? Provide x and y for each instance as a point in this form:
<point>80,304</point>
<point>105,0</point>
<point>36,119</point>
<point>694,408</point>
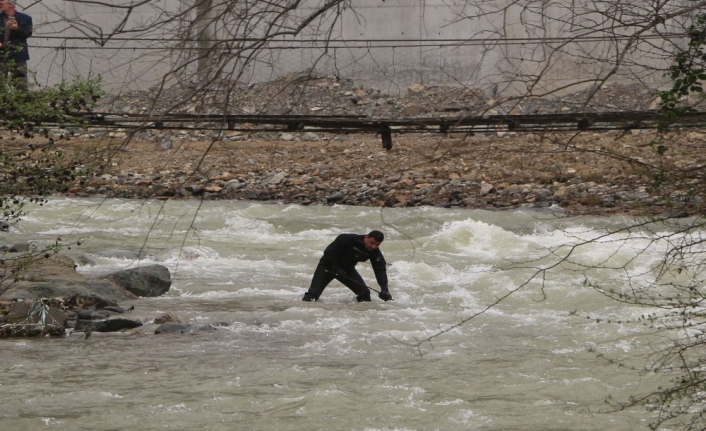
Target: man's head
<point>7,6</point>
<point>373,240</point>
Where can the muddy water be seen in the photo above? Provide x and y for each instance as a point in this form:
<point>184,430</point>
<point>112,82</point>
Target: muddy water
<point>282,364</point>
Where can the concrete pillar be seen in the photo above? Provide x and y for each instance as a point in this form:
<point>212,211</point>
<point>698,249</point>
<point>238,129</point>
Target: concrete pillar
<point>205,34</point>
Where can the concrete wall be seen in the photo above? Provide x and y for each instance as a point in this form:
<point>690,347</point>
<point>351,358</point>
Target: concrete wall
<point>388,44</point>
<point>70,40</point>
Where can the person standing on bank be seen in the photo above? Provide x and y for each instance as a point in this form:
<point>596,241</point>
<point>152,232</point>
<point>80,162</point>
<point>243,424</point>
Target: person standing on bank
<point>339,261</point>
<point>15,28</point>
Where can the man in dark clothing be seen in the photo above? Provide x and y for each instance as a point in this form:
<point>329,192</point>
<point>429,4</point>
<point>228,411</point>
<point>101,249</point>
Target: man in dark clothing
<point>339,261</point>
<point>15,28</point>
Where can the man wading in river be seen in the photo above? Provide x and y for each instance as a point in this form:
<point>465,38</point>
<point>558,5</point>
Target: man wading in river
<point>339,261</point>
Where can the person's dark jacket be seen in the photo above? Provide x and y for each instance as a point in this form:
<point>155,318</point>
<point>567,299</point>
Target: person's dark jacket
<point>16,46</point>
<point>348,249</point>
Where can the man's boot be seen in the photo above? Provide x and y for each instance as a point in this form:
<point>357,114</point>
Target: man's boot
<point>363,298</point>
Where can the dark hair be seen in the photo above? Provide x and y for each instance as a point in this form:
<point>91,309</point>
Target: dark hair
<point>377,235</point>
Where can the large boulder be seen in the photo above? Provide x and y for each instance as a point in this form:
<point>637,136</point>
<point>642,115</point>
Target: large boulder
<point>56,276</point>
<point>153,280</point>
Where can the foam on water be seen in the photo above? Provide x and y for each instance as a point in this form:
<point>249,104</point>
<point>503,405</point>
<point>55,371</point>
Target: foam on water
<point>473,239</point>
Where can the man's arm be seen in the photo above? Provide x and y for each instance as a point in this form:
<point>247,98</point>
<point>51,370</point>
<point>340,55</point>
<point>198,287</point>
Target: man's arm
<point>24,26</point>
<point>380,269</point>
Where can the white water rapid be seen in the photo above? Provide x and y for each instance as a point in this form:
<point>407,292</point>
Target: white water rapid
<point>528,363</point>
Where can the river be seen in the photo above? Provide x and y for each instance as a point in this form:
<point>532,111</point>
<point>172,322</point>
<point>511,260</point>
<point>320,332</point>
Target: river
<point>528,363</point>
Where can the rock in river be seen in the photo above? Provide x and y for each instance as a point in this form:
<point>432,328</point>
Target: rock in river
<point>153,280</point>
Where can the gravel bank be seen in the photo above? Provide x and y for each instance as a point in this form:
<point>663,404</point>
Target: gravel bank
<point>603,173</point>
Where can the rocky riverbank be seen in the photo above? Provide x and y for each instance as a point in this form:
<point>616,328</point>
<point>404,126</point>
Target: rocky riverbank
<point>49,297</point>
<point>597,173</point>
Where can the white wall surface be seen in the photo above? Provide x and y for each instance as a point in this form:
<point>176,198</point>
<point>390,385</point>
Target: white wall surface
<point>387,44</point>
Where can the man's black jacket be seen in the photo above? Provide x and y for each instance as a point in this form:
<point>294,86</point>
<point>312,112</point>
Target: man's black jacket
<point>348,249</point>
<point>16,47</point>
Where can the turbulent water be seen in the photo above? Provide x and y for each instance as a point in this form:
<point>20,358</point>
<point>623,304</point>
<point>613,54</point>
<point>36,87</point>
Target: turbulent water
<point>528,363</point>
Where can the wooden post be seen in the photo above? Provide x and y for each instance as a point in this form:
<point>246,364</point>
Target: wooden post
<point>386,135</point>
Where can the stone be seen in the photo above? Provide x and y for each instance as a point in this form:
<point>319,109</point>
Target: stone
<point>608,202</point>
<point>655,103</point>
<point>18,248</point>
<point>276,178</point>
<point>234,185</point>
<point>558,168</point>
<point>412,110</point>
<point>512,189</point>
<point>485,188</point>
<point>145,281</point>
<point>541,193</point>
<point>561,193</point>
<point>213,174</point>
<point>109,325</point>
<point>194,188</point>
<point>471,176</point>
<point>310,137</point>
<point>335,197</point>
<point>590,200</point>
<point>236,137</point>
<point>623,196</point>
<point>112,325</point>
<point>414,89</point>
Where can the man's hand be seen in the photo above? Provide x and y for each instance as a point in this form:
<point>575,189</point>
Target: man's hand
<point>385,294</point>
